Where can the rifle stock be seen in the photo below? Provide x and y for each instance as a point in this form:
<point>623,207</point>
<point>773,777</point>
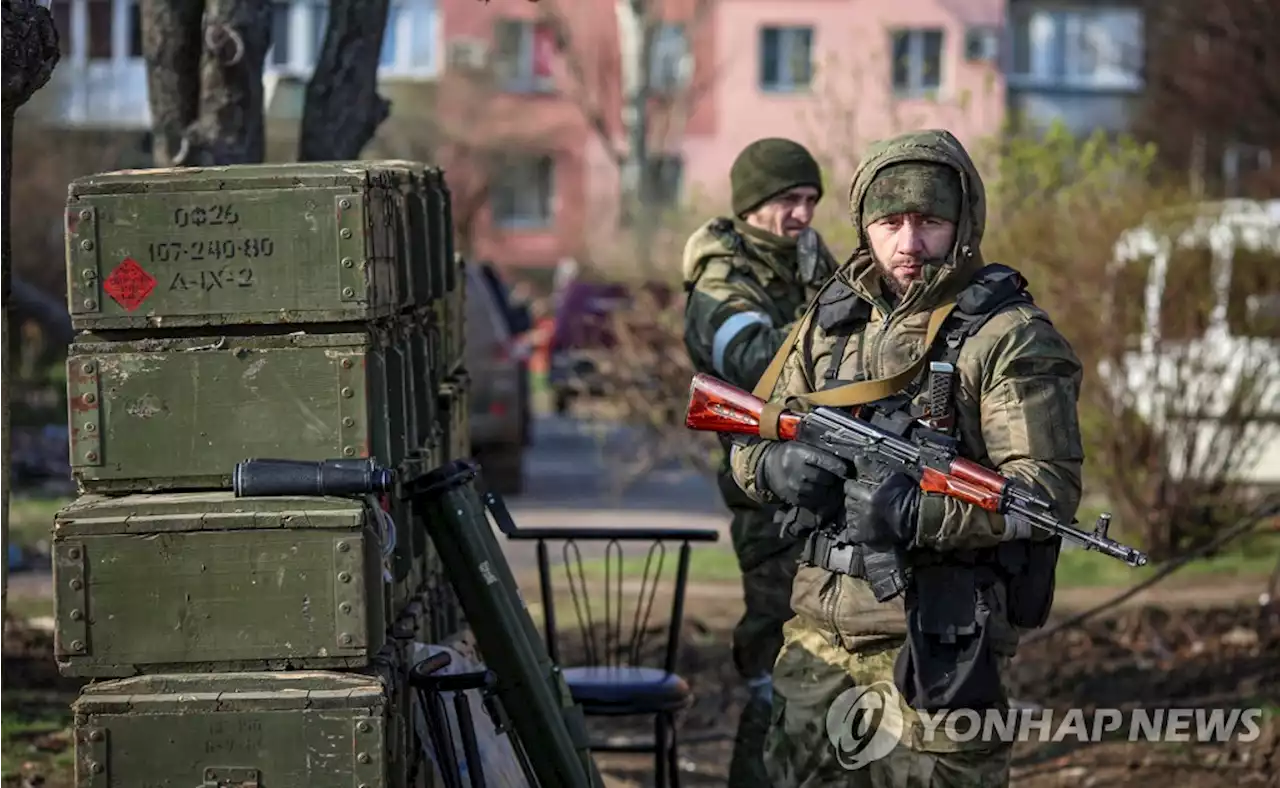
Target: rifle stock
<point>716,406</point>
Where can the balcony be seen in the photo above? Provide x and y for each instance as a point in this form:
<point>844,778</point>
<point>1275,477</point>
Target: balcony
<point>109,94</point>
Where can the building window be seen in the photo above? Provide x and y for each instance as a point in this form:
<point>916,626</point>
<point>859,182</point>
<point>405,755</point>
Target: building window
<point>1090,49</point>
<point>99,31</point>
<point>523,193</point>
<point>298,28</point>
<point>319,26</point>
<point>135,29</point>
<point>409,43</point>
<point>62,23</point>
<point>786,59</point>
<point>667,59</point>
<point>387,59</point>
<point>280,48</point>
<point>522,55</point>
<point>917,62</point>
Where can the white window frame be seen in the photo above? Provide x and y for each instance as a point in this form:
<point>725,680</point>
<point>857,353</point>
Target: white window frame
<point>670,61</point>
<point>401,35</point>
<point>426,61</point>
<point>530,164</point>
<point>1057,56</point>
<point>524,80</point>
<point>788,38</point>
<point>78,34</point>
<point>916,57</point>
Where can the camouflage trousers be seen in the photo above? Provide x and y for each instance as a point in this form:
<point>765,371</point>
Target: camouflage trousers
<point>768,566</point>
<point>818,739</point>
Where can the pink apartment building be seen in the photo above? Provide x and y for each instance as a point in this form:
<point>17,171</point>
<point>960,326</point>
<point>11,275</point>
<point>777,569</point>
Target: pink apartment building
<point>833,74</point>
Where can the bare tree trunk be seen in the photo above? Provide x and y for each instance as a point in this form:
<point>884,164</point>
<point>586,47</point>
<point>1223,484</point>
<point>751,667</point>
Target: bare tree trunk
<point>636,27</point>
<point>30,55</point>
<point>171,44</point>
<point>204,78</point>
<point>231,127</point>
<point>343,109</point>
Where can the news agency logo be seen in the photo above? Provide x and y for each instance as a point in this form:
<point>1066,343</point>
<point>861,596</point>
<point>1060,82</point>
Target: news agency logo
<point>864,724</point>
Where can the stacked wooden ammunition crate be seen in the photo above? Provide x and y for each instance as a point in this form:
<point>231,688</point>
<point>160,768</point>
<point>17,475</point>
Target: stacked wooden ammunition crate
<point>300,311</point>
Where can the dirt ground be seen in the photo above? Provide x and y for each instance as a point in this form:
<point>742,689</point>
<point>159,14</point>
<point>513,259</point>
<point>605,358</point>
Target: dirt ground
<point>1198,647</point>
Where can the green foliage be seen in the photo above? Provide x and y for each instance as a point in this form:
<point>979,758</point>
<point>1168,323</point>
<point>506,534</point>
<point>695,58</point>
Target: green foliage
<point>1035,172</point>
<point>31,519</point>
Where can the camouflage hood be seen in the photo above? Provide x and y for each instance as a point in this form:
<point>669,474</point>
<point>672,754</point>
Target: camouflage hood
<point>932,145</point>
<point>701,247</point>
<point>771,255</point>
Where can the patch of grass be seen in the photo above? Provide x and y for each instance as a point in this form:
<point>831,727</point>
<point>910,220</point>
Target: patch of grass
<point>31,519</point>
<point>1076,568</point>
<point>1250,558</point>
<point>706,565</point>
<point>36,738</point>
<point>28,607</point>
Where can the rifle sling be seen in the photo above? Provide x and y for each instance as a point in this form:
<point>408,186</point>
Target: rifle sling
<point>769,415</point>
<point>847,395</point>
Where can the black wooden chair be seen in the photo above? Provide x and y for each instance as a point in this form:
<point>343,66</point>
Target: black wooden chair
<point>620,675</point>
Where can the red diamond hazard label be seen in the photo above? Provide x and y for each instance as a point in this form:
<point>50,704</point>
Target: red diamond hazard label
<point>129,284</point>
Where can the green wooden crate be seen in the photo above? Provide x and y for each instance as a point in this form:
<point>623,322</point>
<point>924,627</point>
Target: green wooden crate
<point>455,416</point>
<point>171,414</point>
<point>423,376</point>
<point>440,225</point>
<point>426,228</point>
<point>455,318</point>
<point>210,582</point>
<point>241,244</point>
<point>296,729</point>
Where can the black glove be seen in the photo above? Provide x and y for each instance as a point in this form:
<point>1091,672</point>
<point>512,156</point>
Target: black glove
<point>885,514</point>
<point>801,475</point>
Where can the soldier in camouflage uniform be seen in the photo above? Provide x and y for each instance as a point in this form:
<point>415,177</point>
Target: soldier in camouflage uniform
<point>918,204</point>
<point>748,279</point>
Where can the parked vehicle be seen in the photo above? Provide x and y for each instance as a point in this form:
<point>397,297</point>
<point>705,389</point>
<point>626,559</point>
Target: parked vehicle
<point>1239,244</point>
<point>498,362</point>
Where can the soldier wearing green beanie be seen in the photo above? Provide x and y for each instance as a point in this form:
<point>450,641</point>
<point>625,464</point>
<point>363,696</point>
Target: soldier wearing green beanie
<point>748,277</point>
<point>918,329</point>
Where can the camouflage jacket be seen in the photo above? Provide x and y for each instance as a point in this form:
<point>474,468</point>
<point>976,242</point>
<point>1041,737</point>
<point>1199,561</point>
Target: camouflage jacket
<point>1017,387</point>
<point>744,293</point>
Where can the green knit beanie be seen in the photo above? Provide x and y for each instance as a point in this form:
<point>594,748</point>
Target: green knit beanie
<point>767,168</point>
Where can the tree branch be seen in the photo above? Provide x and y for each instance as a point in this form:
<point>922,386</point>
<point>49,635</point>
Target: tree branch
<point>582,97</point>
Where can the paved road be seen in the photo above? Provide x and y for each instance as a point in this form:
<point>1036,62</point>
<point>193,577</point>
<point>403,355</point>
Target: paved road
<point>569,482</point>
<point>572,464</point>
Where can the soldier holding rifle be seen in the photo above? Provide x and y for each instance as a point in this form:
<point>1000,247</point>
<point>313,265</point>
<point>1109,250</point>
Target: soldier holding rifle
<point>920,327</point>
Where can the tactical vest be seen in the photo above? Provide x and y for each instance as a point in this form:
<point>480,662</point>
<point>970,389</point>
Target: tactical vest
<point>794,301</point>
<point>994,288</point>
<point>947,662</point>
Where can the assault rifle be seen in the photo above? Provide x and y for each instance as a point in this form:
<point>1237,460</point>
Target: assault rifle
<point>929,456</point>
